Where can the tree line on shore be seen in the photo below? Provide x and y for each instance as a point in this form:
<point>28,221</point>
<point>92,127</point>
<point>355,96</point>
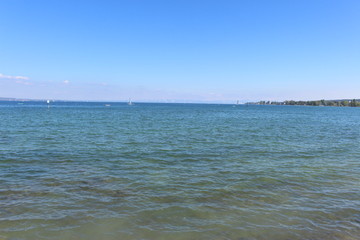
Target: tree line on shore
<point>332,103</point>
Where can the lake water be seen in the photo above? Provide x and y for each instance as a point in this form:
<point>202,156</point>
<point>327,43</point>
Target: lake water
<point>178,171</point>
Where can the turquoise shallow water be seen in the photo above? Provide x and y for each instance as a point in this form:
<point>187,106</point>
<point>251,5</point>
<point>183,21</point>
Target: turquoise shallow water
<point>178,171</point>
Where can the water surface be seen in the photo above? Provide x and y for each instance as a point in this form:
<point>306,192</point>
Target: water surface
<point>178,171</point>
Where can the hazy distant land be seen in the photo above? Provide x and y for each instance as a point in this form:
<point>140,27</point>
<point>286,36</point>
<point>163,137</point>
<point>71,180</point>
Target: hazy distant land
<point>331,103</point>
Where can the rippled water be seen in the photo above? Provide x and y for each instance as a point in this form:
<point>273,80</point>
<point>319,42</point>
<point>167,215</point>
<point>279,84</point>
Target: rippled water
<point>178,171</point>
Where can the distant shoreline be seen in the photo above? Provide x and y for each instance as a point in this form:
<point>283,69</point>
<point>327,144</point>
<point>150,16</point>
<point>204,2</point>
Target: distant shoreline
<point>327,103</point>
<point>330,103</point>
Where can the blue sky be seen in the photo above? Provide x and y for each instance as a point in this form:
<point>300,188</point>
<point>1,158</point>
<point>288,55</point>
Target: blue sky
<point>217,51</point>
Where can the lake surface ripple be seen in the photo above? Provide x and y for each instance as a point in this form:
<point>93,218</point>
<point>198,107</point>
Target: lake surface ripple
<point>178,171</point>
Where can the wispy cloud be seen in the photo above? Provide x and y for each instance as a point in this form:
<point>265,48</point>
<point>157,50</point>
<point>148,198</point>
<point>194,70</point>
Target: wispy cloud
<point>66,82</point>
<point>2,76</point>
<point>23,82</point>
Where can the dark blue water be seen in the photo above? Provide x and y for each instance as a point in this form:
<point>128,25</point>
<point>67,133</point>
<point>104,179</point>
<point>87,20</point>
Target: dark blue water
<point>178,171</point>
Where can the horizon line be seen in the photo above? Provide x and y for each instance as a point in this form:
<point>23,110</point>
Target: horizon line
<point>164,101</point>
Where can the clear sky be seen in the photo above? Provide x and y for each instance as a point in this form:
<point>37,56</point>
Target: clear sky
<point>180,50</point>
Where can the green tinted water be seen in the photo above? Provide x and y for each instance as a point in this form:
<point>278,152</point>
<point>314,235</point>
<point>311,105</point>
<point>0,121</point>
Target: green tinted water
<point>173,171</point>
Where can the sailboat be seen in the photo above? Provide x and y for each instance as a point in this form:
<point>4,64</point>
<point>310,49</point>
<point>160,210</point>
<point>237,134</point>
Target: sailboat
<point>237,103</point>
<point>130,102</point>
